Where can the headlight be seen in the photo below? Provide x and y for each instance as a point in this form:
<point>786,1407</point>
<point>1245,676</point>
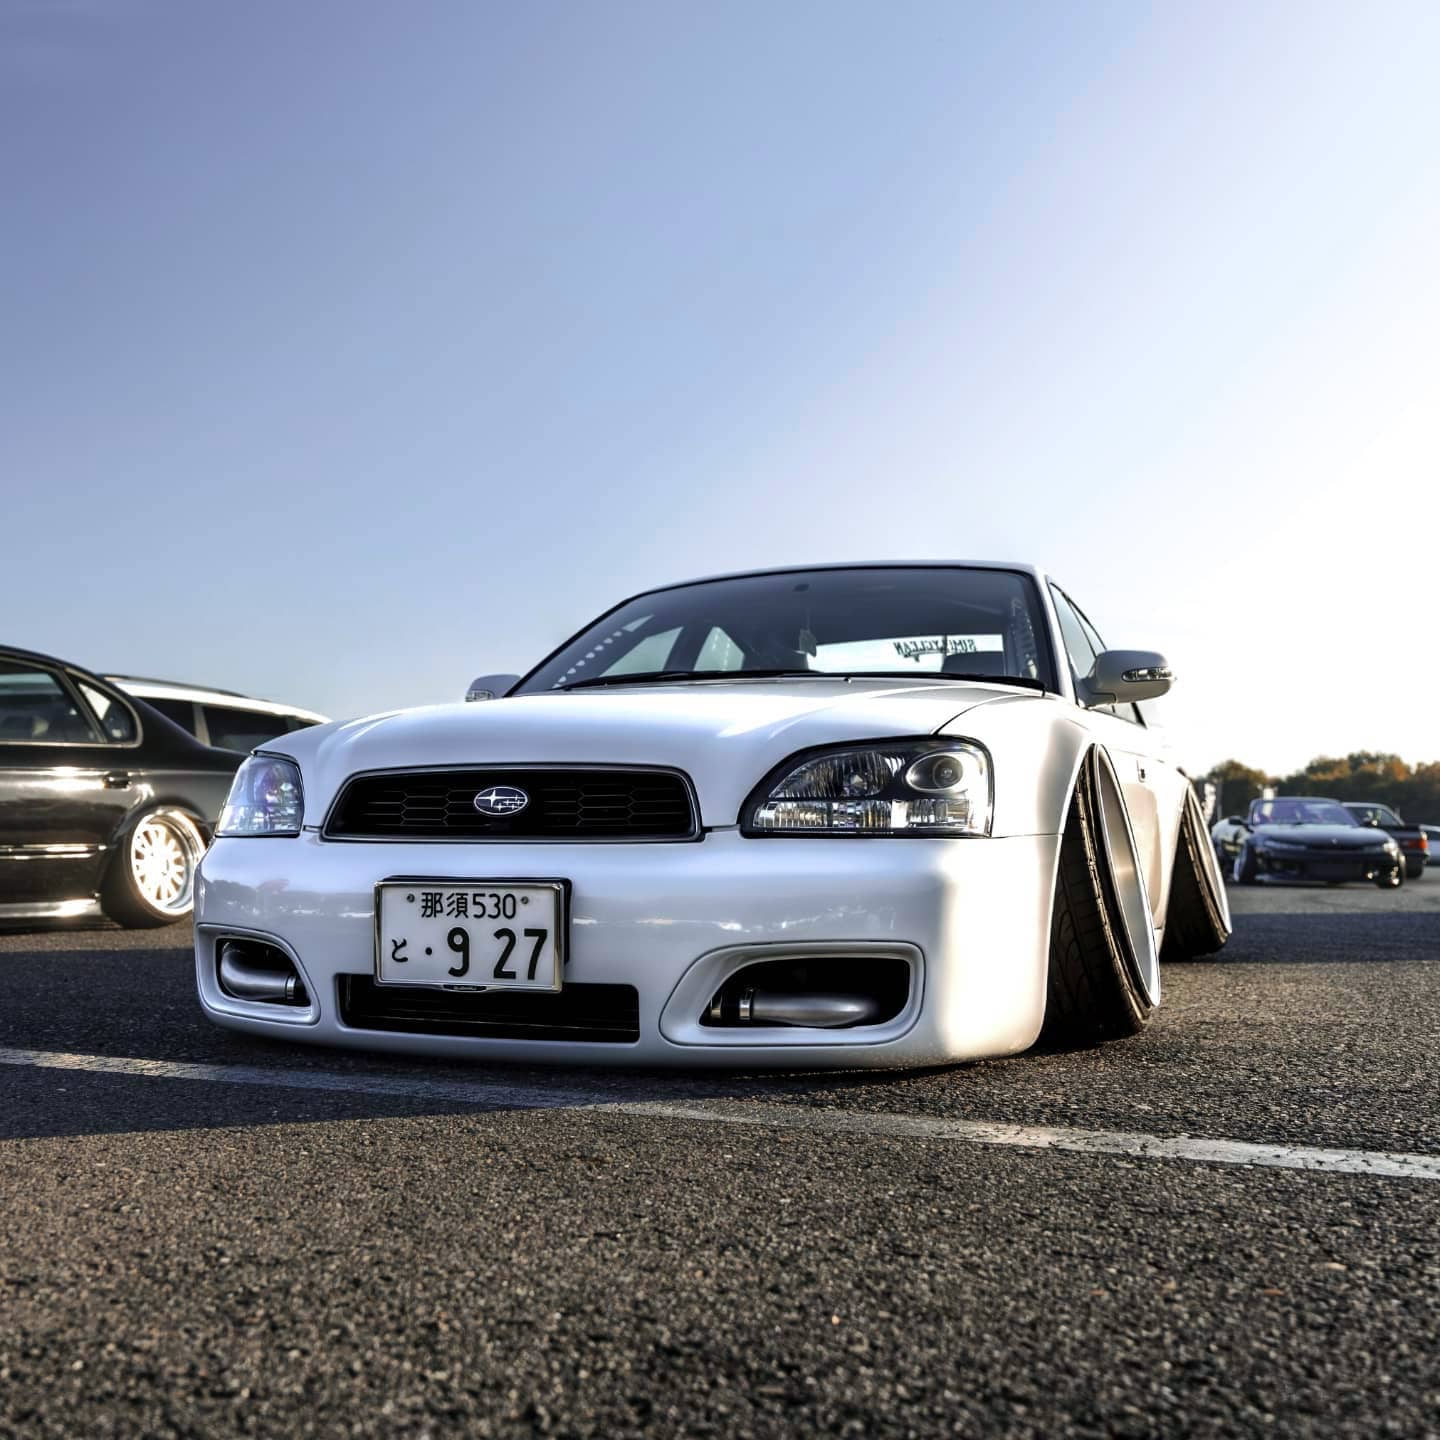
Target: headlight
<point>898,787</point>
<point>265,799</point>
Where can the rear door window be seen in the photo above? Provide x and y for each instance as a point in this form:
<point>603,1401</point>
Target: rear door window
<point>36,708</point>
<point>116,719</point>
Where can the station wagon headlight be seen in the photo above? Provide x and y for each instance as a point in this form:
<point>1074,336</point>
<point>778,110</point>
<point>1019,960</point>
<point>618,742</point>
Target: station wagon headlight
<point>265,799</point>
<point>902,787</point>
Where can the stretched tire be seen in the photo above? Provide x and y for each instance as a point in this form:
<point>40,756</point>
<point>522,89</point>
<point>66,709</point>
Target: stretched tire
<point>1104,971</point>
<point>1197,919</point>
<point>1394,880</point>
<point>151,880</point>
<point>1246,869</point>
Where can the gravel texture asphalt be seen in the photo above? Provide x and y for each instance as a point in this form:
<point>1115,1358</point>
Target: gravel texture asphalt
<point>188,1257</point>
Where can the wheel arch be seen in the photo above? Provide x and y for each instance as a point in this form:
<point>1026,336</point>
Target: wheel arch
<point>1085,769</point>
<point>150,802</point>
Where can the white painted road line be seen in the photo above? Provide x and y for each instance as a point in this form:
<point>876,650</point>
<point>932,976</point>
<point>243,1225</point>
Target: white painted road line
<point>499,1095</point>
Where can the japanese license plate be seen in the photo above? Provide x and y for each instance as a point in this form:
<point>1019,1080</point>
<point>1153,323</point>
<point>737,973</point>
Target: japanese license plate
<point>471,934</point>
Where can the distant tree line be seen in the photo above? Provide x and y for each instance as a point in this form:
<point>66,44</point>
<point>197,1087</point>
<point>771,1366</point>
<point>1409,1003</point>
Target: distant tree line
<point>1366,775</point>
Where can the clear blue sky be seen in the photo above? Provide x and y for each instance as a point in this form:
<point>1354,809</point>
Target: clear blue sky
<point>352,348</point>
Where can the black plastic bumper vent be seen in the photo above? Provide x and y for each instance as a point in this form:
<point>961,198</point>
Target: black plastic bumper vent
<point>603,1014</point>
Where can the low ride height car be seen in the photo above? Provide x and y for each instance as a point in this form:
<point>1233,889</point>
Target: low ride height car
<point>1414,843</point>
<point>854,815</point>
<point>105,805</point>
<point>1305,837</point>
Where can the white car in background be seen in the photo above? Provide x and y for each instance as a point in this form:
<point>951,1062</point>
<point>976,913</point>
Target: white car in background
<point>221,718</point>
<point>854,815</point>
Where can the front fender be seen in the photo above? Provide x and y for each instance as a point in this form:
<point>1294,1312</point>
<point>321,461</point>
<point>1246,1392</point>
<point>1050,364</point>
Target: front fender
<point>1036,745</point>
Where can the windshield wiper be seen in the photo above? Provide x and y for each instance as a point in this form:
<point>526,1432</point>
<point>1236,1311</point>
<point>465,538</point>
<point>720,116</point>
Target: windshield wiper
<point>931,676</point>
<point>650,677</point>
<point>647,677</point>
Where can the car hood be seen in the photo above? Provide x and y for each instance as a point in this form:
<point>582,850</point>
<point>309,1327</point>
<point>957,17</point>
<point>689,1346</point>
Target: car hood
<point>1324,837</point>
<point>724,734</point>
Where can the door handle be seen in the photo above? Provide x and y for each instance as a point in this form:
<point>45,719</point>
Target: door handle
<point>117,780</point>
<point>1140,769</point>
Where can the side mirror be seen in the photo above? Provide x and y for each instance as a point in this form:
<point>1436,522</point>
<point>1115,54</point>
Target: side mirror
<point>491,687</point>
<point>1234,819</point>
<point>1121,676</point>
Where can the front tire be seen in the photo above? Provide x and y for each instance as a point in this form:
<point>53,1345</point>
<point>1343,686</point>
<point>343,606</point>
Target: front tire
<point>1102,985</point>
<point>1394,879</point>
<point>1245,867</point>
<point>151,880</point>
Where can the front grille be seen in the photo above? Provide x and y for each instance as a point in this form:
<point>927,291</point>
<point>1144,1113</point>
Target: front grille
<point>565,804</point>
<point>604,1014</point>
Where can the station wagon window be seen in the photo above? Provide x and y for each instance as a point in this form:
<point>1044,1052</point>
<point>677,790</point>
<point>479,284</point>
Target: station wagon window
<point>243,730</point>
<point>115,719</point>
<point>37,709</point>
<point>182,712</point>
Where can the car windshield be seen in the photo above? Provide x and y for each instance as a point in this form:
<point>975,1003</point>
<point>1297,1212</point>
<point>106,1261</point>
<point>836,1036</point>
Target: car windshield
<point>1374,814</point>
<point>938,621</point>
<point>1303,812</point>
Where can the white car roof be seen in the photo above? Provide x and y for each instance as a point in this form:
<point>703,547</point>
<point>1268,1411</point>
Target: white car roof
<point>204,695</point>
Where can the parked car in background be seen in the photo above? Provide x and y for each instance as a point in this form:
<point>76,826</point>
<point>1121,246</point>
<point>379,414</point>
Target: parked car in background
<point>1412,840</point>
<point>1307,837</point>
<point>105,804</point>
<point>1227,836</point>
<point>219,717</point>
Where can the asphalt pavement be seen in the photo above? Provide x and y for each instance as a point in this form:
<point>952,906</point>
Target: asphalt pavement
<point>207,1235</point>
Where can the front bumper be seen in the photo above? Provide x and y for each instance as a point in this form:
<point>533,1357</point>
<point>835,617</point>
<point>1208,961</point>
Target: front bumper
<point>972,917</point>
<point>1333,866</point>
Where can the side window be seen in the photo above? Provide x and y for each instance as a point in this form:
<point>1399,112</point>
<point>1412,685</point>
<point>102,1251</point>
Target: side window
<point>1092,644</point>
<point>37,709</point>
<point>182,712</point>
<point>1077,644</point>
<point>241,730</point>
<point>650,654</point>
<point>115,719</point>
<point>719,652</point>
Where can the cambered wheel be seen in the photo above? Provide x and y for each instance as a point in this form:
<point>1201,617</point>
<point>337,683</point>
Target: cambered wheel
<point>1246,869</point>
<point>1394,879</point>
<point>151,880</point>
<point>1197,920</point>
<point>1104,974</point>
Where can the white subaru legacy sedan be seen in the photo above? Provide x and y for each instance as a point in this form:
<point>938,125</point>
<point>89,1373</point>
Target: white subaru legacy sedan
<point>872,814</point>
